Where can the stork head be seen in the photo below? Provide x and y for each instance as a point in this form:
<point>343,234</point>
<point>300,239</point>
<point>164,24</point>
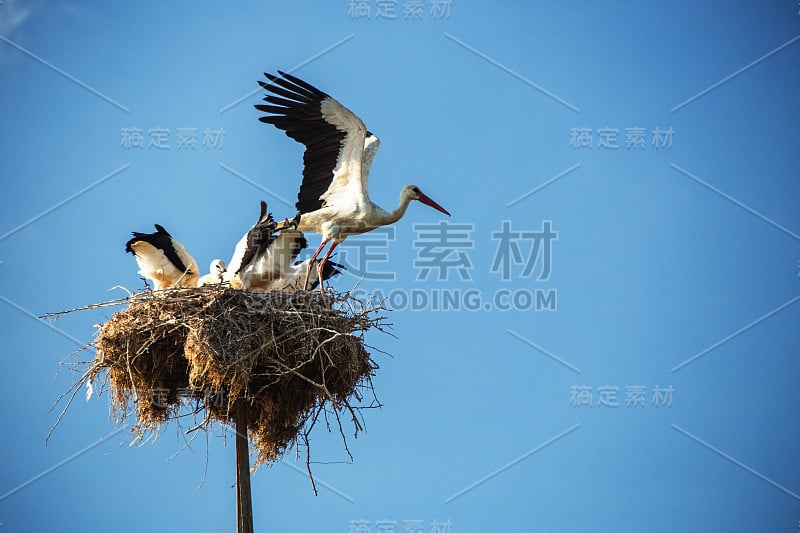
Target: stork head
<point>412,192</point>
<point>217,267</point>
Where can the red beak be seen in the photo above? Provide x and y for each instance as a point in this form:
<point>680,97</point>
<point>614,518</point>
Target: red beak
<point>427,201</point>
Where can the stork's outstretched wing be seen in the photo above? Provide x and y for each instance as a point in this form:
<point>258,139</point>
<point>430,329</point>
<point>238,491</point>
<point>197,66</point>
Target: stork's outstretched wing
<point>334,138</point>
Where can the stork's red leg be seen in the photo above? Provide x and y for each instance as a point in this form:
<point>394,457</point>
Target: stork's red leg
<point>311,262</point>
<point>321,264</point>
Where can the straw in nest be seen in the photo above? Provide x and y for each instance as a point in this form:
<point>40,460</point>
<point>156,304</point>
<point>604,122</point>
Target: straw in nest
<point>288,355</point>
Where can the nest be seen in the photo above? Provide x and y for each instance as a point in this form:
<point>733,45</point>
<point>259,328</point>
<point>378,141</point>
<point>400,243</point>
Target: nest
<point>289,356</point>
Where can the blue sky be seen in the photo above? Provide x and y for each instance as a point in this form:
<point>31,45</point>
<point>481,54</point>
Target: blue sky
<point>675,271</point>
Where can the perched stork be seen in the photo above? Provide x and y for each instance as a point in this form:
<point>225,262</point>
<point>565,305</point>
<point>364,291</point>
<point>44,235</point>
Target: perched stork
<point>333,199</point>
<point>295,275</point>
<point>163,259</point>
<point>218,274</point>
<point>264,258</point>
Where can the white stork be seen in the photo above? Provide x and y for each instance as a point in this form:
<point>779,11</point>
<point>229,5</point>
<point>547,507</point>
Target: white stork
<point>333,199</point>
<point>163,259</point>
<point>218,274</point>
<point>264,257</point>
<point>295,275</point>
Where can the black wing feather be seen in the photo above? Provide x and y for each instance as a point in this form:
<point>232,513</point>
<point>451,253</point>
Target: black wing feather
<point>297,111</point>
<point>329,269</point>
<point>294,84</point>
<point>162,240</point>
<point>282,92</point>
<point>259,238</point>
<point>298,245</point>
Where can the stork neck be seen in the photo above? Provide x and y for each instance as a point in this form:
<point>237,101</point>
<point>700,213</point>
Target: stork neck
<point>396,214</point>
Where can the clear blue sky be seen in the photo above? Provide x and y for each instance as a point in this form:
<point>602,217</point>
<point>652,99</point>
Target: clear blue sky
<point>676,268</point>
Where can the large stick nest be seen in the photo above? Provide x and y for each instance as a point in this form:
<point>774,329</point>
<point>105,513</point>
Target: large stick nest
<point>290,356</point>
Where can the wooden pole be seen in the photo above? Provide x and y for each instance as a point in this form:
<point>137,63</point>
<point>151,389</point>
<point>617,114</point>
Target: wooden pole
<point>244,501</point>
